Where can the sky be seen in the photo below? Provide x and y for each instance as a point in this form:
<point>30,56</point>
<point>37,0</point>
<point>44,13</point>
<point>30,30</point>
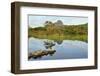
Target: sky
<point>39,20</point>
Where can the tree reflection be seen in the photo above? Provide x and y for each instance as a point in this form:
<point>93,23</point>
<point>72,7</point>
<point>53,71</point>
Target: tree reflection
<point>49,45</point>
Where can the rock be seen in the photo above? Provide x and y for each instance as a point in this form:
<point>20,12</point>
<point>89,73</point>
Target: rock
<point>59,23</point>
<point>40,53</point>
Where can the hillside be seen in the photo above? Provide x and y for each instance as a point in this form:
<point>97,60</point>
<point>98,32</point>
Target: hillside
<point>60,32</point>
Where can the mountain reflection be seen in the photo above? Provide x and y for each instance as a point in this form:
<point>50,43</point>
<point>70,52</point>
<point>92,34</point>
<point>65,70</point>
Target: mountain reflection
<point>59,41</point>
<point>45,49</point>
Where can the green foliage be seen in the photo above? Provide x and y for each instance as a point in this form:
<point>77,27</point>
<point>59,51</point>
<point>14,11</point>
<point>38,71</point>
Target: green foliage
<point>64,32</point>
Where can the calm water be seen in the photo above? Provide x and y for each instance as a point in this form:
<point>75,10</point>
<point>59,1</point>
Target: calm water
<point>66,49</point>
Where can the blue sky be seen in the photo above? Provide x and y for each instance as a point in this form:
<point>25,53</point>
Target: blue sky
<point>39,20</point>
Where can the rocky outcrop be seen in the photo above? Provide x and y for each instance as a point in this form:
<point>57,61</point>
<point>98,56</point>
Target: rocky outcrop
<point>59,23</point>
<point>40,53</point>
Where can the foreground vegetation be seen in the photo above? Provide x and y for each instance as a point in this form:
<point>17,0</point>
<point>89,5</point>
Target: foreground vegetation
<point>60,32</point>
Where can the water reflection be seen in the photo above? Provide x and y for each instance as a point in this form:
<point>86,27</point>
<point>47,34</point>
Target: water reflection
<point>40,53</point>
<point>58,41</point>
<point>49,44</point>
<point>44,49</point>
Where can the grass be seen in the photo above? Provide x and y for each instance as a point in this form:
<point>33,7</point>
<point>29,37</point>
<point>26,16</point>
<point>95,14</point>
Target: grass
<point>52,32</point>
